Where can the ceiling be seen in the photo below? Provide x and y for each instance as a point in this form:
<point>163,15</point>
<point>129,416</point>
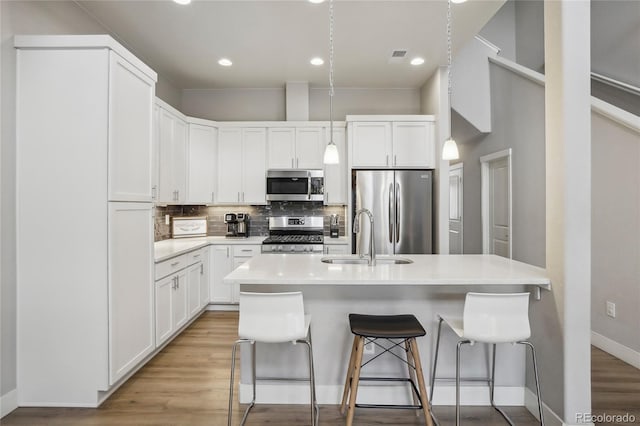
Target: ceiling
<point>271,42</point>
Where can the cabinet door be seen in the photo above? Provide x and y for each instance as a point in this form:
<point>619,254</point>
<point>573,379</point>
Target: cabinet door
<point>221,263</point>
<point>164,317</point>
<point>179,309</point>
<point>194,277</point>
<point>371,144</point>
<point>281,148</point>
<point>166,191</point>
<point>201,164</point>
<point>309,147</point>
<point>336,249</point>
<point>229,168</point>
<point>155,154</point>
<point>413,144</point>
<point>254,141</point>
<point>335,175</point>
<point>180,131</point>
<point>204,279</point>
<point>130,288</point>
<point>131,95</point>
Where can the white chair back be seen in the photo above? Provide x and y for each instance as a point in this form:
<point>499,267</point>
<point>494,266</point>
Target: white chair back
<point>496,318</point>
<point>272,317</point>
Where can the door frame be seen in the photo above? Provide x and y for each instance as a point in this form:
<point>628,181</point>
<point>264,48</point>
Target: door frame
<point>485,160</point>
<point>454,167</point>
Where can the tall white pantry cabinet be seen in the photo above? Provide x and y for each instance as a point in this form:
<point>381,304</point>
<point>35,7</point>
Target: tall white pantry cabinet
<point>85,218</point>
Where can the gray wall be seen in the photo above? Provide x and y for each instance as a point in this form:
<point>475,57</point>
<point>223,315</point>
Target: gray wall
<point>529,15</point>
<point>518,111</point>
<point>22,17</point>
<point>615,230</point>
<point>268,104</point>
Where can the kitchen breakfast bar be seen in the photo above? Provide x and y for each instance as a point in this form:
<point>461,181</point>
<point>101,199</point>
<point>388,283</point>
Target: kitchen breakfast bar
<point>427,286</point>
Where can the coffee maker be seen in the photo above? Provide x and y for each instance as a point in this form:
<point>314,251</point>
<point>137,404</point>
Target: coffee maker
<point>237,225</point>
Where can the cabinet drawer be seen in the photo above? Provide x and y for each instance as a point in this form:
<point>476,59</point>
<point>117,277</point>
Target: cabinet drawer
<point>170,266</point>
<point>246,250</point>
<point>196,256</point>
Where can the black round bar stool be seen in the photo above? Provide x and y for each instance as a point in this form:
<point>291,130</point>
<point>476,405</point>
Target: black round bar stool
<point>399,331</point>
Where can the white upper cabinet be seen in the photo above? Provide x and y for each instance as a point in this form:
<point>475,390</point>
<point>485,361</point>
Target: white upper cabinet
<point>371,144</point>
<point>131,94</point>
<point>295,148</point>
<point>393,143</point>
<point>172,147</point>
<point>241,165</point>
<point>202,149</point>
<point>413,144</point>
<point>155,154</point>
<point>281,152</point>
<point>335,175</point>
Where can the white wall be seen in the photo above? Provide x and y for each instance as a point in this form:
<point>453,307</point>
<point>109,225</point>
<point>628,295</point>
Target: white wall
<point>615,230</point>
<point>501,30</point>
<point>169,93</point>
<point>268,104</point>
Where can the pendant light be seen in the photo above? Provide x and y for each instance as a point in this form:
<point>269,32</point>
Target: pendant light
<point>331,155</point>
<point>450,148</point>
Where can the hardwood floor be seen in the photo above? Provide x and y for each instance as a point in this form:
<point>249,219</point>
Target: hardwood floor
<point>187,384</point>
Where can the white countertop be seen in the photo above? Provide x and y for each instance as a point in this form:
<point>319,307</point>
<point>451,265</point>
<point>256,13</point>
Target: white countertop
<point>292,269</point>
<point>167,249</point>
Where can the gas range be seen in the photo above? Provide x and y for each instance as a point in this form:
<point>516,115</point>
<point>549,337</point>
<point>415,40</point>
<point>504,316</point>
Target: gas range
<point>294,234</point>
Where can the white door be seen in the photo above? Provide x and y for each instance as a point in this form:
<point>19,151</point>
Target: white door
<point>180,159</point>
<point>166,190</point>
<point>229,170</point>
<point>164,317</point>
<point>155,162</point>
<point>194,276</point>
<point>221,264</point>
<point>202,159</point>
<point>496,203</point>
<point>131,94</point>
<point>179,308</point>
<point>335,175</point>
<point>413,144</point>
<point>131,317</point>
<point>281,148</point>
<point>371,144</point>
<point>309,147</point>
<point>204,279</point>
<point>455,209</point>
<point>254,145</point>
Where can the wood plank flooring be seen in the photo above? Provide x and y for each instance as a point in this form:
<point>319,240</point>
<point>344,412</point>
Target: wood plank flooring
<point>187,384</point>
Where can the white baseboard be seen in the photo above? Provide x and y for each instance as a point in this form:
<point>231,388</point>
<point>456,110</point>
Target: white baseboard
<point>8,402</point>
<point>550,417</point>
<point>298,393</point>
<point>616,349</point>
<point>222,307</point>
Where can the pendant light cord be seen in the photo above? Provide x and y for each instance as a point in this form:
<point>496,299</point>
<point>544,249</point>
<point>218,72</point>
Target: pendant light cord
<point>449,60</point>
<point>331,70</point>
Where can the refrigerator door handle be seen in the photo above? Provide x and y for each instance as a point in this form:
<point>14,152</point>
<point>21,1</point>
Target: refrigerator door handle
<point>390,213</point>
<point>397,212</point>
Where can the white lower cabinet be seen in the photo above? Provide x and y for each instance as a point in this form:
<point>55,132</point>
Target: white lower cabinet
<point>205,296</point>
<point>336,249</point>
<point>194,279</point>
<point>224,259</point>
<point>164,321</point>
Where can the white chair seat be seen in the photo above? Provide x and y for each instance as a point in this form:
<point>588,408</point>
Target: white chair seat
<point>455,323</point>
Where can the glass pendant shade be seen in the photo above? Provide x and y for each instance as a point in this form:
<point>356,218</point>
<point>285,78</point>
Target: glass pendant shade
<point>449,150</point>
<point>331,154</point>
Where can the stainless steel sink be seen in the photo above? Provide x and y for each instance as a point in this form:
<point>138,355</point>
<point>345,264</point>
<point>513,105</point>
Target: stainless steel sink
<point>356,260</point>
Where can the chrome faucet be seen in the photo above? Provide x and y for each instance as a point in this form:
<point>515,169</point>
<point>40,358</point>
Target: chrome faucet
<point>356,229</point>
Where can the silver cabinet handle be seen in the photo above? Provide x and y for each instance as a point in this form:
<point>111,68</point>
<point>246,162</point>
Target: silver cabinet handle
<point>154,191</point>
<point>292,165</point>
<point>174,279</point>
<point>242,196</point>
<point>387,159</point>
<point>196,256</point>
<point>297,163</point>
<point>246,250</point>
<point>395,158</point>
<point>390,213</point>
<point>227,251</point>
<point>201,269</point>
<point>238,197</point>
<point>174,264</point>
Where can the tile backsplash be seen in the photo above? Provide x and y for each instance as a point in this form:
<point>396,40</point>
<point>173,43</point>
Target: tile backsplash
<point>258,216</point>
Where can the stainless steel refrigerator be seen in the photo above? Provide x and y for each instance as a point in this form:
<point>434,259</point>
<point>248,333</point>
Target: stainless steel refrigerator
<point>401,203</point>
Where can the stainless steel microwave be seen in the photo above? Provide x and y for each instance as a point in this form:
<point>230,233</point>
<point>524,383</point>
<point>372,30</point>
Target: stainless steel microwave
<point>295,185</point>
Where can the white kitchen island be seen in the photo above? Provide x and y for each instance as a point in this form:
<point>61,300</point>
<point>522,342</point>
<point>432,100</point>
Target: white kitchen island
<point>432,284</point>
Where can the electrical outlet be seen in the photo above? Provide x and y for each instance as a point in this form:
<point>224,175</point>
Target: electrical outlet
<point>369,349</point>
<point>611,309</point>
<point>167,219</point>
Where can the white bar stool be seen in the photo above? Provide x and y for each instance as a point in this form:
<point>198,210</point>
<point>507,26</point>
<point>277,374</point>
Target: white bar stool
<point>490,318</point>
<point>273,318</point>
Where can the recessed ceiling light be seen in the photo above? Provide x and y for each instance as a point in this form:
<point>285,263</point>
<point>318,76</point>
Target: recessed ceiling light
<point>225,62</point>
<point>316,1</point>
<point>183,2</point>
<point>458,1</point>
<point>417,61</point>
<point>317,61</point>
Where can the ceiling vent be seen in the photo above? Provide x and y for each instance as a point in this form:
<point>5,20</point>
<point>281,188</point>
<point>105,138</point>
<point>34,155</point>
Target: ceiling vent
<point>397,56</point>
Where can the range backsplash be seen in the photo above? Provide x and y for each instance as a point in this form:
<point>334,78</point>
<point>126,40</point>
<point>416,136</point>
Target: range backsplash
<point>259,216</point>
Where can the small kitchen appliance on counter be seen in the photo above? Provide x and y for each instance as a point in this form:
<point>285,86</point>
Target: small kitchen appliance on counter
<point>295,234</point>
<point>187,227</point>
<point>237,225</point>
<point>334,228</point>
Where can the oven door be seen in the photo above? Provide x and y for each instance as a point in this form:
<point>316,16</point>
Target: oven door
<point>288,185</point>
